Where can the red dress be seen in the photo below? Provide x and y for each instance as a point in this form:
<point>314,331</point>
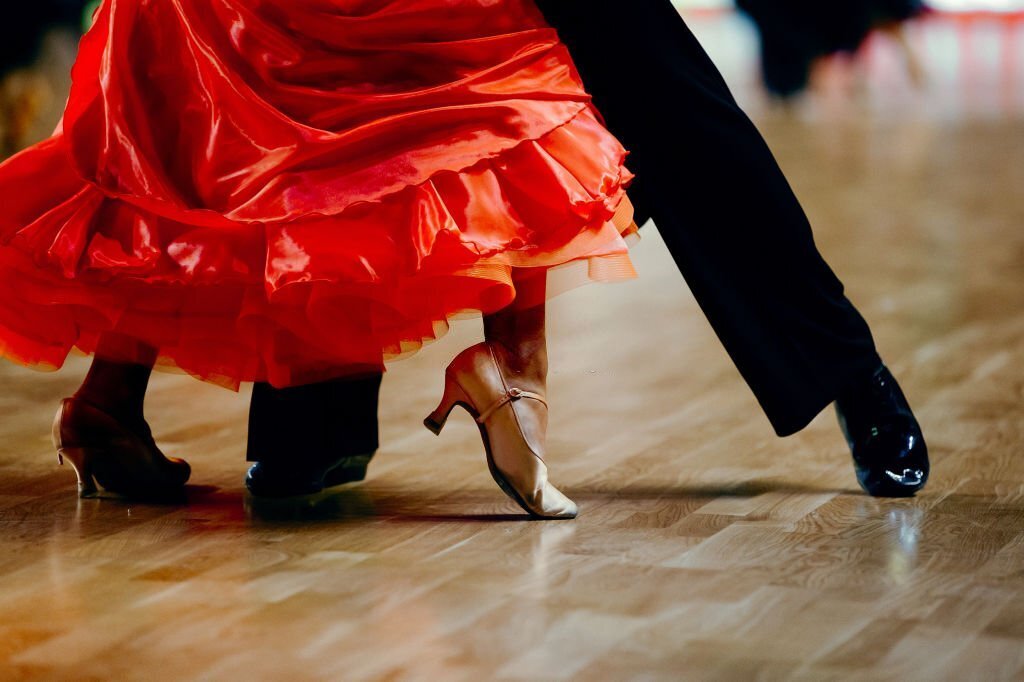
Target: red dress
<point>286,190</point>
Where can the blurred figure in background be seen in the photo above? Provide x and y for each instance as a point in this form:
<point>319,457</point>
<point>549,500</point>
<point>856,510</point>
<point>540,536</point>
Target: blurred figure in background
<point>795,34</point>
<point>24,92</point>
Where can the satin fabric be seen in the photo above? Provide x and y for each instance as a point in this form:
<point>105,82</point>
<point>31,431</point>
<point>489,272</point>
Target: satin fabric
<point>292,190</point>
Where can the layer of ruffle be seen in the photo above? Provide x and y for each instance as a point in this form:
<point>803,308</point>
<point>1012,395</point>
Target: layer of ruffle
<point>313,297</point>
<point>269,111</point>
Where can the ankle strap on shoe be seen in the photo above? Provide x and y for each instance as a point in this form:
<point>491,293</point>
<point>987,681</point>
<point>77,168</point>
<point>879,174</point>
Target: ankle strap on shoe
<point>512,395</point>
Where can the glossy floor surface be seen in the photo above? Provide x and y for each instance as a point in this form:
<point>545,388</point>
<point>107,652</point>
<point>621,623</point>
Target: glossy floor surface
<point>706,548</point>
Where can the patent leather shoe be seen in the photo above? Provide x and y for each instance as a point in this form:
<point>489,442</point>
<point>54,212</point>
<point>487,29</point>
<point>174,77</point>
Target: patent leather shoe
<point>890,456</point>
<point>266,479</point>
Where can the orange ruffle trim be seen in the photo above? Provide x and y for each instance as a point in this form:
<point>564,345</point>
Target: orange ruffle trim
<point>308,299</point>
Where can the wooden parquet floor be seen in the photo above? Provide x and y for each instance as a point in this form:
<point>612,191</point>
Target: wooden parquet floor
<point>706,549</point>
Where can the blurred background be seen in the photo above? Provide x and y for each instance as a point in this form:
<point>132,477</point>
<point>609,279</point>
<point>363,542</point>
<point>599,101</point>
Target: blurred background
<point>953,58</point>
<point>38,41</point>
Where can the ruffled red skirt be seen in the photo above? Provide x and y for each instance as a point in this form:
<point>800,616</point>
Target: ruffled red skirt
<point>287,190</point>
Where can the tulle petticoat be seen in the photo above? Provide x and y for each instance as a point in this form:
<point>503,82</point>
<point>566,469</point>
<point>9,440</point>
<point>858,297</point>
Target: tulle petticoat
<point>291,191</point>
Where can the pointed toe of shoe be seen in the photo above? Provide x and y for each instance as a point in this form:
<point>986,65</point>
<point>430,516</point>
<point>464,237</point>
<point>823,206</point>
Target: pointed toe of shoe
<point>893,466</point>
<point>552,503</point>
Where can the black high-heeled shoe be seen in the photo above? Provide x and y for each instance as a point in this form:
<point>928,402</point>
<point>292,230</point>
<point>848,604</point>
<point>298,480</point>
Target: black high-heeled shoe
<point>119,459</point>
<point>890,456</point>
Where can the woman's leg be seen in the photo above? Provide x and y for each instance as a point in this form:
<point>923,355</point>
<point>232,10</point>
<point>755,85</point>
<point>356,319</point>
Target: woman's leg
<point>517,333</point>
<point>119,388</point>
<point>503,383</point>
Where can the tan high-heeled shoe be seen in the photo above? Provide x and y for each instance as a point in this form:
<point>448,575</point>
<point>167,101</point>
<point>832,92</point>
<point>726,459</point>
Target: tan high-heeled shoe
<point>513,425</point>
<point>103,450</point>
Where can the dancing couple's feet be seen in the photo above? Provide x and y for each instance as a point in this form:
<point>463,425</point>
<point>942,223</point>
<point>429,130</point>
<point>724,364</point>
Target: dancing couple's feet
<point>503,393</point>
<point>889,453</point>
<point>507,400</point>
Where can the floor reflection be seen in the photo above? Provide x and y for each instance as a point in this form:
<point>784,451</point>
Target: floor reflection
<point>326,506</point>
<point>905,532</point>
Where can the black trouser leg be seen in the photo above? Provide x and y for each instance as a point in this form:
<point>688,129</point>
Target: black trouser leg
<point>723,206</point>
<point>316,424</point>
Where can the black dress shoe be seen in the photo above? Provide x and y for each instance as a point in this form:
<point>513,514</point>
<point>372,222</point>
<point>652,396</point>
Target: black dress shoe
<point>288,480</point>
<point>307,438</point>
<point>889,452</point>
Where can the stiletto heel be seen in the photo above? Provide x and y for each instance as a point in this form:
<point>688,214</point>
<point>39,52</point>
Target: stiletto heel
<point>453,395</point>
<point>104,452</point>
<point>513,427</point>
<point>81,460</point>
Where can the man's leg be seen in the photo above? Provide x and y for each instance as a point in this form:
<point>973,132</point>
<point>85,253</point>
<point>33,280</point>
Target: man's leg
<point>306,438</point>
<point>723,206</point>
<point>731,222</point>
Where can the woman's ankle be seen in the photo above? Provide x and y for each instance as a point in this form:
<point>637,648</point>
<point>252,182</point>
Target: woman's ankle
<point>525,364</point>
<point>127,412</point>
<point>117,389</point>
